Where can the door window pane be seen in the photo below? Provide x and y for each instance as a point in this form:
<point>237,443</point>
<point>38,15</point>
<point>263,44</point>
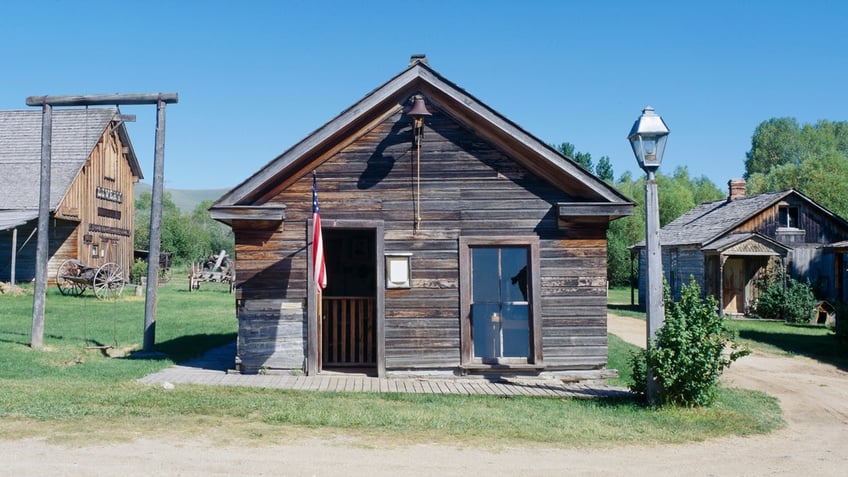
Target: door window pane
<point>516,331</point>
<point>514,274</point>
<point>485,270</point>
<point>486,331</point>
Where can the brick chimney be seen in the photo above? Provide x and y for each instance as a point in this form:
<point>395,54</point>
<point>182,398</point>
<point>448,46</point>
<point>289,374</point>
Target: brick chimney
<point>737,189</point>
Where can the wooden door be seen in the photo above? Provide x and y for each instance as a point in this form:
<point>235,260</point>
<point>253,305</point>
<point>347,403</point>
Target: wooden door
<point>733,286</point>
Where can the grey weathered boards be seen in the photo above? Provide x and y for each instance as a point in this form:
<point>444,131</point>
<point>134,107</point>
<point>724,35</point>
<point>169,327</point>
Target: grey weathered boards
<point>506,262</point>
<point>726,245</point>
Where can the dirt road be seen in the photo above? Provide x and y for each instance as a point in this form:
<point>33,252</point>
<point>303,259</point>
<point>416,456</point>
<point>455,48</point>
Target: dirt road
<point>814,397</point>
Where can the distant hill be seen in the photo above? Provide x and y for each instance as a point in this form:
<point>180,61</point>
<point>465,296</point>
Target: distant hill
<point>185,199</point>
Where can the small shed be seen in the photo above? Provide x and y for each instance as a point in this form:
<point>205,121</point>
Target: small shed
<point>727,244</point>
<point>455,244</point>
<point>93,173</point>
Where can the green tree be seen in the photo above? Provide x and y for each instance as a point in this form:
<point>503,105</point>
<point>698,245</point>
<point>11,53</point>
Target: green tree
<point>812,159</point>
<point>187,237</point>
<point>219,236</point>
<point>604,170</point>
<point>775,142</point>
<point>569,150</point>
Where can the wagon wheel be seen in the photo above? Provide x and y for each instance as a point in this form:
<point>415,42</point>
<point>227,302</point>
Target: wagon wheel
<point>108,281</point>
<point>69,268</point>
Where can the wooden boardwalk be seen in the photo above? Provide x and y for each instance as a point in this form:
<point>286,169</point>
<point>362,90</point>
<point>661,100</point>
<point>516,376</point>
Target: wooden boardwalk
<point>211,370</point>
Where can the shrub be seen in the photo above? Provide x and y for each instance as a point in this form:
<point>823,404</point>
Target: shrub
<point>139,269</point>
<point>689,352</point>
<point>794,303</point>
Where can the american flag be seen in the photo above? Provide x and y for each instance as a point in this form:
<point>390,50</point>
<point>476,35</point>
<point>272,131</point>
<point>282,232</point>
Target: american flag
<point>319,268</point>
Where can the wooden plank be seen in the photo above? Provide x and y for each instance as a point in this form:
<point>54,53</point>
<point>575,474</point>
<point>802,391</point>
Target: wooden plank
<point>103,99</point>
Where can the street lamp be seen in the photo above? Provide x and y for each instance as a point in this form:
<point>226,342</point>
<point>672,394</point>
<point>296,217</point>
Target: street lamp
<point>648,137</point>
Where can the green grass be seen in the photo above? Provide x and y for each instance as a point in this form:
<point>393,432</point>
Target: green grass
<point>813,341</point>
<point>618,302</point>
<point>75,394</point>
<point>619,359</point>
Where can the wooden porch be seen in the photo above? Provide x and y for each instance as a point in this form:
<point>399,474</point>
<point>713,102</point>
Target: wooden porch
<point>212,370</point>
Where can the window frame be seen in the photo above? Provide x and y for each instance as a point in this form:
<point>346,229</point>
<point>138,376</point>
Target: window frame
<point>786,214</point>
<point>467,358</point>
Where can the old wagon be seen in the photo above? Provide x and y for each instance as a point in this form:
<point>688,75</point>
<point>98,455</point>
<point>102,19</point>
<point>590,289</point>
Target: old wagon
<point>215,268</point>
<point>106,281</point>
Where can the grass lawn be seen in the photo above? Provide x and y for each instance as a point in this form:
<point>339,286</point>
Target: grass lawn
<point>814,341</point>
<point>79,395</point>
<point>618,302</point>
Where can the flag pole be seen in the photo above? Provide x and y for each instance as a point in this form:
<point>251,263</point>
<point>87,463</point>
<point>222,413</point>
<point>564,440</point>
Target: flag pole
<point>319,274</point>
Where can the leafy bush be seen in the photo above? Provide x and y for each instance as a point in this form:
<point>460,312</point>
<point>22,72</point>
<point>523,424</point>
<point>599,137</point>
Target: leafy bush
<point>795,303</point>
<point>139,269</point>
<point>688,354</point>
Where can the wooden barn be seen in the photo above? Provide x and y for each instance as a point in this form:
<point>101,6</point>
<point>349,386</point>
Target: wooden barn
<point>455,243</point>
<point>93,172</point>
<point>725,245</point>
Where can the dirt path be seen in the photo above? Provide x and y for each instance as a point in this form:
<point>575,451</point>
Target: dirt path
<point>815,442</point>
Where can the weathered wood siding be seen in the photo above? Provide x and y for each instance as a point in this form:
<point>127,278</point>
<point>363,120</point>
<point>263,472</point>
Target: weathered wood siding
<point>817,228</point>
<point>807,259</point>
<point>468,188</point>
<point>679,264</point>
<point>101,199</point>
<point>62,245</point>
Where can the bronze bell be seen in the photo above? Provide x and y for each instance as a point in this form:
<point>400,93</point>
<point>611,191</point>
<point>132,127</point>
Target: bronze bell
<point>418,109</point>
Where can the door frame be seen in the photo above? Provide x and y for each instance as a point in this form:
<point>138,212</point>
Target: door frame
<point>313,327</point>
<point>465,296</point>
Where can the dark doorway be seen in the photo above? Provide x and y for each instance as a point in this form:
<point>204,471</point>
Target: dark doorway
<point>348,328</point>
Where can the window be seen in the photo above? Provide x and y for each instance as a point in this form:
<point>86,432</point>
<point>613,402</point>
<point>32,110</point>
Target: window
<point>499,295</point>
<point>787,217</point>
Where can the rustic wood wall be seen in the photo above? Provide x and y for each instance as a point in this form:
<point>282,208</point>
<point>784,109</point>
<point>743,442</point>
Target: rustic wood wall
<point>818,229</point>
<point>101,199</point>
<point>61,245</point>
<point>468,188</point>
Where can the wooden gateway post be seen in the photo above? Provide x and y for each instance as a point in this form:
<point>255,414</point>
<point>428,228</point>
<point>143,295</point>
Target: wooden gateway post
<point>42,244</point>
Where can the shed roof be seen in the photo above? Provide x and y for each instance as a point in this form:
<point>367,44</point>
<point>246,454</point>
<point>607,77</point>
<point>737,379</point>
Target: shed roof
<point>710,221</point>
<point>388,99</point>
<point>75,133</point>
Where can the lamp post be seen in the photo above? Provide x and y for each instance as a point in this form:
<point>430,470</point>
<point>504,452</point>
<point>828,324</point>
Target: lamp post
<point>648,137</point>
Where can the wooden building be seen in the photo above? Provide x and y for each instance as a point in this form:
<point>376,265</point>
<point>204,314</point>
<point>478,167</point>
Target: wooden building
<point>466,245</point>
<point>725,245</point>
<point>93,172</point>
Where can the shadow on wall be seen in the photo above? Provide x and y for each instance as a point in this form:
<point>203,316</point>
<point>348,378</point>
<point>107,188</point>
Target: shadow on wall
<point>383,158</point>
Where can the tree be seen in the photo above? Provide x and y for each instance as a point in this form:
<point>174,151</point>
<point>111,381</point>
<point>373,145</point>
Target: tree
<point>604,170</point>
<point>187,237</point>
<point>219,236</point>
<point>812,159</point>
<point>678,194</point>
<point>775,142</point>
<point>583,158</point>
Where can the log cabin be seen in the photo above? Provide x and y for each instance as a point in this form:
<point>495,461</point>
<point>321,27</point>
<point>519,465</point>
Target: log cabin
<point>93,172</point>
<point>455,242</point>
<point>726,245</point>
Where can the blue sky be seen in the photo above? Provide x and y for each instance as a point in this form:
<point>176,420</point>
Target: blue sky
<point>254,78</point>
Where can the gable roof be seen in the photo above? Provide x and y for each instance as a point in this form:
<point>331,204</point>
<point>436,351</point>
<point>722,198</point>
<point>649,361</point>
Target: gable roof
<point>710,221</point>
<point>75,133</point>
<point>388,99</point>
